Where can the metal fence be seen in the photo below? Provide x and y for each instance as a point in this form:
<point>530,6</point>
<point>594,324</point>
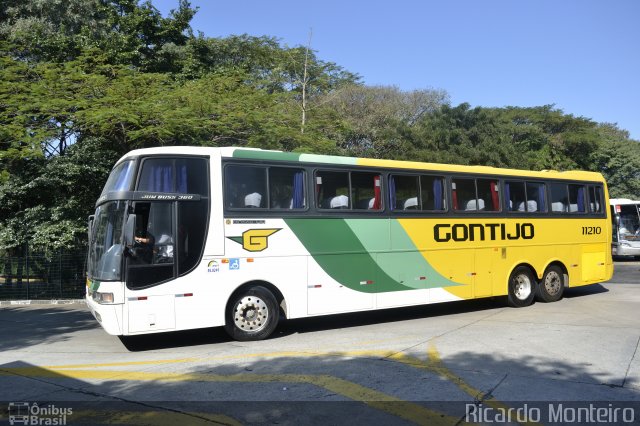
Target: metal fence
<point>32,276</point>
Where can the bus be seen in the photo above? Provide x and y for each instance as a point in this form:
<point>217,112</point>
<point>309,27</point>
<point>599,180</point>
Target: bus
<point>625,215</point>
<point>196,237</point>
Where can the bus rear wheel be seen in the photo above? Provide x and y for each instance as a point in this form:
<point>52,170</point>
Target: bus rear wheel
<point>522,286</point>
<point>252,314</point>
<point>551,287</point>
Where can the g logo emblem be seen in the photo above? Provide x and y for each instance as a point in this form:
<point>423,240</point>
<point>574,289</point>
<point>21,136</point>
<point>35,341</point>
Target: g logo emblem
<point>255,239</point>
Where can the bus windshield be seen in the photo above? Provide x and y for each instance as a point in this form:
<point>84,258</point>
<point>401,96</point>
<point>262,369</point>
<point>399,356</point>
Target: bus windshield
<point>106,247</point>
<point>629,222</point>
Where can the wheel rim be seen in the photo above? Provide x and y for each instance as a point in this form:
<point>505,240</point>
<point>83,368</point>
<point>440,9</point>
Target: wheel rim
<point>552,283</point>
<point>251,314</point>
<point>522,287</point>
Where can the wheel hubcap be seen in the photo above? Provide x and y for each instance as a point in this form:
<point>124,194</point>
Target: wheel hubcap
<point>552,283</point>
<point>251,314</point>
<point>522,287</point>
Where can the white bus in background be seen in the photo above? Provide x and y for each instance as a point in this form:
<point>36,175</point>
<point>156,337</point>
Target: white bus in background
<point>625,214</point>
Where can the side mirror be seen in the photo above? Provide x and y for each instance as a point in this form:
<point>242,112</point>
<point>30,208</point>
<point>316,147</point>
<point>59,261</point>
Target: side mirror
<point>129,230</point>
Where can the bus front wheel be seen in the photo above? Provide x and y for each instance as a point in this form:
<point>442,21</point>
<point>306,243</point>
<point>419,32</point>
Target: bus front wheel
<point>522,286</point>
<point>252,314</point>
<point>551,287</point>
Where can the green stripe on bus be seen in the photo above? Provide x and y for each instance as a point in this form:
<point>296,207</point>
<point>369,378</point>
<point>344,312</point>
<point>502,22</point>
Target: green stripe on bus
<point>403,263</point>
<point>266,155</point>
<point>349,253</point>
<point>292,156</point>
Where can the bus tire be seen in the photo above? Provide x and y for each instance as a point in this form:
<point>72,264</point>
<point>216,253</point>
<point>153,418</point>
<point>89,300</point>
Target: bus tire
<point>522,285</point>
<point>252,314</point>
<point>551,287</point>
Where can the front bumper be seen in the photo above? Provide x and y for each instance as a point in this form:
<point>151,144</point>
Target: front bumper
<point>109,316</point>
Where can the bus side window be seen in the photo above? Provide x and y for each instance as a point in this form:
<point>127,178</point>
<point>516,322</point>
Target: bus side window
<point>595,199</point>
<point>432,193</point>
<point>559,197</point>
<point>488,194</point>
<point>365,191</point>
<point>286,188</point>
<point>332,189</point>
<point>536,197</point>
<point>515,196</point>
<point>404,192</point>
<point>179,175</point>
<point>464,191</point>
<point>245,187</point>
<point>577,202</point>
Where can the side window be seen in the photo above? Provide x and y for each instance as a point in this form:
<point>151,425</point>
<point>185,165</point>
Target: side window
<point>174,175</point>
<point>577,201</point>
<point>286,188</point>
<point>332,190</point>
<point>348,190</point>
<point>464,194</point>
<point>467,198</point>
<point>525,196</point>
<point>595,199</point>
<point>559,198</point>
<point>416,192</point>
<point>432,193</point>
<point>365,190</point>
<point>245,187</point>
<point>536,200</point>
<point>515,195</point>
<point>404,192</point>
<point>488,194</point>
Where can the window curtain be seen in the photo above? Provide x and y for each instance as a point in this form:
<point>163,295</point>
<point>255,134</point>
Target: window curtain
<point>454,197</point>
<point>495,197</point>
<point>298,190</point>
<point>581,199</point>
<point>541,204</point>
<point>182,179</point>
<point>507,196</point>
<point>437,194</point>
<point>392,193</point>
<point>164,176</point>
<point>377,200</point>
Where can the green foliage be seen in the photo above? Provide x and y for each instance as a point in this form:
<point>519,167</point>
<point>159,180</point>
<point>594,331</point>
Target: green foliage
<point>47,203</point>
<point>84,81</point>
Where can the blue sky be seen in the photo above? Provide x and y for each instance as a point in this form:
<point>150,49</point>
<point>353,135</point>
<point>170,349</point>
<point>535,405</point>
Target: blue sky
<point>581,55</point>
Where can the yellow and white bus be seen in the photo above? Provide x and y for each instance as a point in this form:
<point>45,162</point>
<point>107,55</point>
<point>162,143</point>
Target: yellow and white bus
<point>190,237</point>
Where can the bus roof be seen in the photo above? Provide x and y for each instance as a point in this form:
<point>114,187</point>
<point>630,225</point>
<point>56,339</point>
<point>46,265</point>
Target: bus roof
<point>622,201</point>
<point>270,155</point>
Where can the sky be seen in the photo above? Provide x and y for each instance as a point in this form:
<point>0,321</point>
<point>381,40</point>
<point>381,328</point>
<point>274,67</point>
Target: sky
<point>583,56</point>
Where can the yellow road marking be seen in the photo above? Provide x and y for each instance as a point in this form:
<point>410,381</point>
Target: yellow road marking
<point>379,400</point>
<point>122,364</point>
<point>160,418</point>
<point>375,399</point>
<point>435,364</point>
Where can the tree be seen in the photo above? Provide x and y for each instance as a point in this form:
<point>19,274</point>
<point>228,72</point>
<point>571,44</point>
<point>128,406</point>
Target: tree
<point>374,117</point>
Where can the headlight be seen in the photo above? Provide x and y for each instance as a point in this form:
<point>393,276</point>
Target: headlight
<point>625,243</point>
<point>103,297</point>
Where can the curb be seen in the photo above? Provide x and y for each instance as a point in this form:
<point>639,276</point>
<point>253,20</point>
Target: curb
<point>42,302</point>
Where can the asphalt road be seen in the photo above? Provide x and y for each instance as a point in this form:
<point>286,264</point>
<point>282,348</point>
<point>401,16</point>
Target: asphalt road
<point>627,271</point>
<point>438,364</point>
